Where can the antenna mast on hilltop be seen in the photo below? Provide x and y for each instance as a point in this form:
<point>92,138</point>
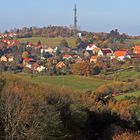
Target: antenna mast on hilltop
<point>75,20</point>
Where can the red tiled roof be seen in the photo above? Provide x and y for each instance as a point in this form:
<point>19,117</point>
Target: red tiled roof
<point>27,59</point>
<point>11,42</point>
<point>120,53</point>
<point>66,56</point>
<point>35,65</point>
<point>136,49</point>
<point>93,58</point>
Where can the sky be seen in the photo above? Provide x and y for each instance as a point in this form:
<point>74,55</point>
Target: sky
<point>93,15</point>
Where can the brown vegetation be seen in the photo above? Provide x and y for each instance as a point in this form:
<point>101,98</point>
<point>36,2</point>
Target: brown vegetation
<point>32,111</point>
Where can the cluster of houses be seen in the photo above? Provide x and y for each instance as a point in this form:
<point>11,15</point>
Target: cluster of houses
<point>8,35</point>
<point>32,56</point>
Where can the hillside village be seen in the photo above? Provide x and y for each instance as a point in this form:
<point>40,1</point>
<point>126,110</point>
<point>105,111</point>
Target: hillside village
<point>87,58</point>
<point>69,70</point>
<point>107,71</point>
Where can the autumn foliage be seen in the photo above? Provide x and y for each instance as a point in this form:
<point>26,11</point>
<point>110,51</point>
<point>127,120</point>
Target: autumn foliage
<point>32,111</point>
<point>127,136</point>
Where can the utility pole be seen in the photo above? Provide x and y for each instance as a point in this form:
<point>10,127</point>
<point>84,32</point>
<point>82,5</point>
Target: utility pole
<point>75,20</point>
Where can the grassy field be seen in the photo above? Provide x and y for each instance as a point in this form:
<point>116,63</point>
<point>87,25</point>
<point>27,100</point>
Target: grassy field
<point>78,83</point>
<point>75,83</point>
<point>136,41</point>
<point>56,41</point>
<point>125,75</point>
<point>52,42</point>
<point>133,41</point>
<point>134,94</point>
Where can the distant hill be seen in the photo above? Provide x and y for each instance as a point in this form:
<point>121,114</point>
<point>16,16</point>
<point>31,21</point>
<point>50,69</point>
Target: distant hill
<point>50,31</point>
<point>114,39</point>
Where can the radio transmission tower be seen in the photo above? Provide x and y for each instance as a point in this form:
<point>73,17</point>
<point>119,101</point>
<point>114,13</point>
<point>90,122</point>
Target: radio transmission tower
<point>75,20</point>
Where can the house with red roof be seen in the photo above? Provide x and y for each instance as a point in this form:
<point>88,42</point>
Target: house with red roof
<point>90,47</point>
<point>136,49</point>
<point>121,55</point>
<point>67,57</point>
<point>26,60</point>
<point>60,65</point>
<point>11,43</point>
<point>78,59</point>
<point>11,35</point>
<point>93,59</point>
<point>35,66</point>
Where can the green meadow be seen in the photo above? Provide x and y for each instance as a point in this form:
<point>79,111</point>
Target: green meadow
<point>70,82</point>
<point>125,75</point>
<point>51,42</point>
<point>134,94</point>
<point>78,83</point>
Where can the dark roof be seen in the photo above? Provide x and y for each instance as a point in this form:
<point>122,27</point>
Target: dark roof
<point>106,51</point>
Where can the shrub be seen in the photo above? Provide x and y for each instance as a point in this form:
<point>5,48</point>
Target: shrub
<point>127,136</point>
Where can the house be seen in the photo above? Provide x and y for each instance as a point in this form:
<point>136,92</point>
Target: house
<point>90,47</point>
<point>30,45</point>
<point>105,52</point>
<point>12,35</point>
<point>28,65</point>
<point>60,65</point>
<point>26,60</point>
<point>79,60</point>
<point>100,53</point>
<point>49,50</point>
<point>10,58</point>
<point>40,68</point>
<point>39,46</point>
<point>11,43</point>
<point>42,58</point>
<point>67,57</point>
<point>96,50</point>
<point>136,49</point>
<point>3,59</point>
<point>75,57</point>
<point>121,55</point>
<point>7,58</point>
<point>35,66</point>
<point>86,54</point>
<point>93,59</point>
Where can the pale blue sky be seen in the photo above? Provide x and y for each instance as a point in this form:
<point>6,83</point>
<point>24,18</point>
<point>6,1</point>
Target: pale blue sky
<point>93,15</point>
